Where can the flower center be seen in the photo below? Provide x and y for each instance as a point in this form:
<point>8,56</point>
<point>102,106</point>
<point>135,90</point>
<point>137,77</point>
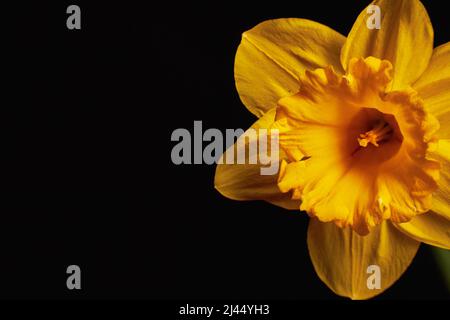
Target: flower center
<point>375,136</point>
<point>381,132</point>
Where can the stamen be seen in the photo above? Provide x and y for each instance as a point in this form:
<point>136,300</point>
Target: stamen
<point>381,132</point>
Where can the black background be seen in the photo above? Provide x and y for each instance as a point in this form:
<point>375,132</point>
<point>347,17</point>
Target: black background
<point>87,176</point>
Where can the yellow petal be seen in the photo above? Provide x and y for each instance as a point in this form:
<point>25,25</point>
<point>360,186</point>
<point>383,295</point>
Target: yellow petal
<point>290,177</point>
<point>273,54</point>
<point>341,257</point>
<point>441,197</point>
<point>245,181</point>
<point>405,39</point>
<point>429,228</point>
<point>434,88</point>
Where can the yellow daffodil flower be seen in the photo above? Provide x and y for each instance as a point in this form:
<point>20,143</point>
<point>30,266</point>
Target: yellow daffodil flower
<point>364,136</point>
